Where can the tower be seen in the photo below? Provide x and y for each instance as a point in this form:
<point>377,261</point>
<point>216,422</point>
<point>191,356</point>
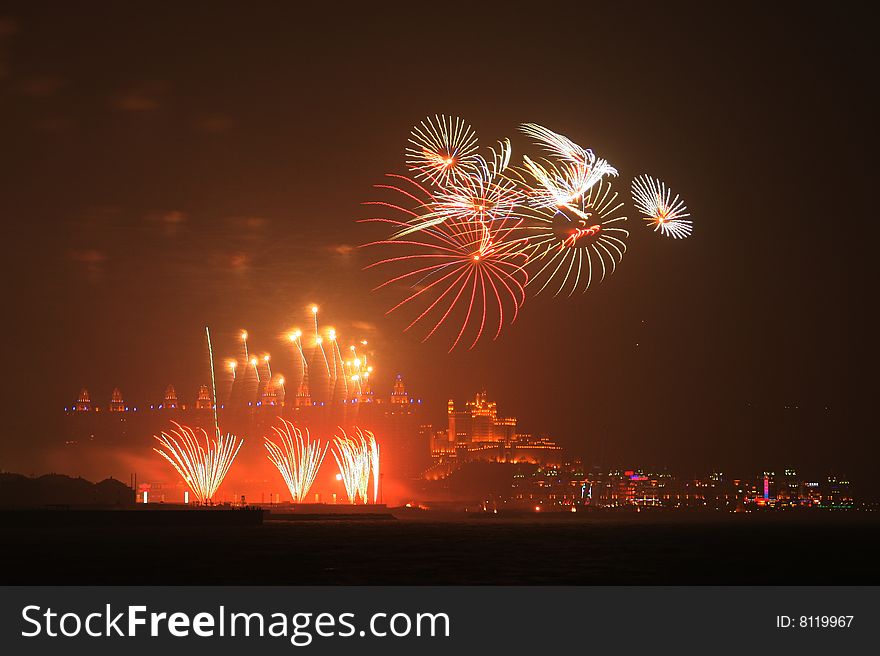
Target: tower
<point>170,402</point>
<point>460,423</point>
<point>83,401</point>
<point>116,402</point>
<point>269,397</point>
<point>303,397</point>
<point>203,402</point>
<point>483,415</point>
<point>398,392</point>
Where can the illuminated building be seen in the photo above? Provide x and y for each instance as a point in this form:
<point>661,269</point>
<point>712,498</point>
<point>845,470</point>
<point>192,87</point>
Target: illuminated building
<point>483,414</point>
<point>203,401</point>
<point>303,397</point>
<point>504,431</point>
<point>170,402</point>
<point>83,401</point>
<point>398,391</point>
<point>837,494</point>
<point>459,426</point>
<point>788,494</point>
<point>479,433</point>
<point>116,402</point>
<point>269,395</point>
<point>440,445</point>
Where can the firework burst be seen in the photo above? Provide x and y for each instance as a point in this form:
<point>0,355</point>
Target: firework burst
<point>463,269</point>
<point>484,194</point>
<point>442,149</point>
<point>574,245</point>
<point>667,214</point>
<point>568,180</point>
<point>297,458</point>
<point>202,468</point>
<point>358,460</point>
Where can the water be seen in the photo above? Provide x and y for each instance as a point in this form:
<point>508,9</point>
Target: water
<point>671,549</point>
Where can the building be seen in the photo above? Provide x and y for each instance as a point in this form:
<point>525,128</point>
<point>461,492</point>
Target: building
<point>478,432</point>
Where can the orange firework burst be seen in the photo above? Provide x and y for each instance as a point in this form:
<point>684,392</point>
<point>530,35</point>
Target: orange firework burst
<point>460,268</point>
<point>202,468</point>
<point>442,149</point>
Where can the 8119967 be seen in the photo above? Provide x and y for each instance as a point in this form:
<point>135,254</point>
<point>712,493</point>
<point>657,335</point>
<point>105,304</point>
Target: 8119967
<point>814,621</point>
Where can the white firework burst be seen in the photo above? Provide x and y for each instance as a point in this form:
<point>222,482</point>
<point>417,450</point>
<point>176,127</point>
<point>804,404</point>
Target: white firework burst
<point>484,195</point>
<point>568,180</point>
<point>572,246</point>
<point>297,458</point>
<point>441,149</point>
<point>666,213</point>
<point>556,144</point>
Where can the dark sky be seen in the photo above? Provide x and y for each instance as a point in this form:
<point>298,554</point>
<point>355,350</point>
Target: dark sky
<point>168,165</point>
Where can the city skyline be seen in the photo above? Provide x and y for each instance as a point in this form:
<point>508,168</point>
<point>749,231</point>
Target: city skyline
<point>429,442</point>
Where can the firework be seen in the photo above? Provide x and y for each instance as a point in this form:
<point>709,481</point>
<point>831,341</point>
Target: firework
<point>296,339</point>
<point>667,214</point>
<point>467,268</point>
<point>213,382</point>
<point>358,460</point>
<point>484,195</point>
<point>565,182</point>
<point>556,144</point>
<point>441,149</point>
<point>202,468</point>
<point>326,349</point>
<point>319,341</point>
<point>573,245</point>
<point>244,338</point>
<point>297,458</point>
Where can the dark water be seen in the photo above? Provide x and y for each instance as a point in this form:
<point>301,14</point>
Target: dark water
<point>680,549</point>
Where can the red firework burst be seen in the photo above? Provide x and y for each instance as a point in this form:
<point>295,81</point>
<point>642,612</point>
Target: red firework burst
<point>461,269</point>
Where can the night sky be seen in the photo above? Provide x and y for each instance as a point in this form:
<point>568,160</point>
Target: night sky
<point>171,165</point>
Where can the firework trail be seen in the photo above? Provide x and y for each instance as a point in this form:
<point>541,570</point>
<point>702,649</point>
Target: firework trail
<point>213,383</point>
<point>202,468</point>
<point>244,338</point>
<point>654,200</point>
<point>280,384</point>
<point>442,149</point>
<point>268,366</point>
<point>358,460</point>
<point>297,458</point>
<point>359,370</point>
<point>231,365</point>
<point>468,267</point>
<point>570,246</point>
<point>374,463</point>
<point>296,339</point>
<point>256,371</point>
<point>338,363</point>
<point>319,341</point>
